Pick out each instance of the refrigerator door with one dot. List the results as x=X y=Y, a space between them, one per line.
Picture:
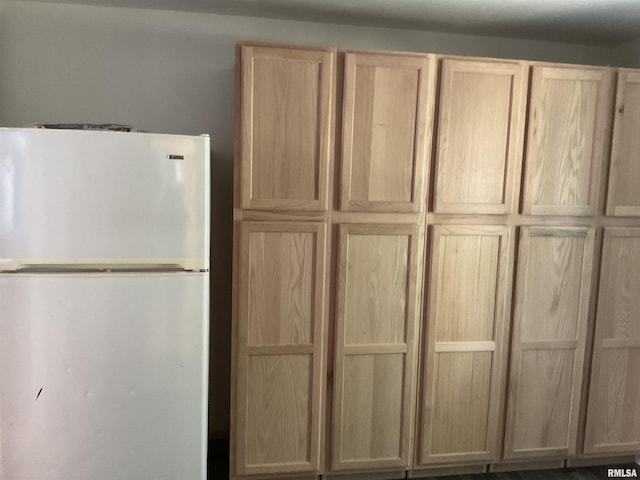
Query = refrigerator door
x=103 y=377
x=97 y=197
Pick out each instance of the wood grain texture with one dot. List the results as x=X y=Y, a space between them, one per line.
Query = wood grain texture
x=280 y=288
x=278 y=410
x=377 y=313
x=461 y=396
x=280 y=336
x=287 y=104
x=548 y=341
x=613 y=415
x=387 y=119
x=566 y=142
x=624 y=177
x=464 y=363
x=479 y=135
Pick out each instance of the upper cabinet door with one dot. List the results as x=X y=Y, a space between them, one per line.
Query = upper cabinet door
x=613 y=416
x=480 y=133
x=387 y=119
x=566 y=142
x=624 y=195
x=287 y=99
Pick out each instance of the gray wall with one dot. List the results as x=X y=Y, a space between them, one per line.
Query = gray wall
x=173 y=72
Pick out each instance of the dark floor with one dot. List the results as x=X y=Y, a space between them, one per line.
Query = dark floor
x=591 y=473
x=218 y=459
x=219 y=469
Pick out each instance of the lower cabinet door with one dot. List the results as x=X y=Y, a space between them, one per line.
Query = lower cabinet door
x=280 y=347
x=548 y=341
x=464 y=360
x=379 y=278
x=613 y=414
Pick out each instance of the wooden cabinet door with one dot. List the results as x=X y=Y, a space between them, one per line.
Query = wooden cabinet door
x=480 y=132
x=548 y=341
x=386 y=131
x=464 y=362
x=378 y=309
x=280 y=329
x=566 y=142
x=287 y=98
x=613 y=415
x=624 y=178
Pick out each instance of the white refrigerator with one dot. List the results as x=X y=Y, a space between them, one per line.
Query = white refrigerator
x=104 y=305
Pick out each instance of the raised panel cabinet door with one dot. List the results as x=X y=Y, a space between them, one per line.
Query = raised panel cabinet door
x=279 y=359
x=464 y=362
x=548 y=341
x=624 y=176
x=386 y=131
x=480 y=131
x=286 y=111
x=613 y=412
x=377 y=314
x=569 y=117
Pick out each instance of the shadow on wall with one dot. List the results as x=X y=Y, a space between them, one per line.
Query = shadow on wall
x=221 y=281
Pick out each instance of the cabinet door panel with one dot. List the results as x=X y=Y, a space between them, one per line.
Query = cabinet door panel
x=387 y=114
x=566 y=146
x=281 y=317
x=286 y=110
x=461 y=403
x=624 y=195
x=613 y=415
x=480 y=132
x=464 y=361
x=379 y=274
x=548 y=341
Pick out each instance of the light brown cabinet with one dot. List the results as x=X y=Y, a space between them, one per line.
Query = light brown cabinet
x=567 y=139
x=624 y=179
x=464 y=360
x=286 y=127
x=280 y=336
x=386 y=137
x=613 y=415
x=548 y=341
x=386 y=111
x=378 y=308
x=479 y=135
x=375 y=295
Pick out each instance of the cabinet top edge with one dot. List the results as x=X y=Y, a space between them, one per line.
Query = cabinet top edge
x=434 y=55
x=285 y=46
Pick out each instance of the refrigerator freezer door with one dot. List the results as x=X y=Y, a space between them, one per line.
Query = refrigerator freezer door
x=103 y=377
x=98 y=197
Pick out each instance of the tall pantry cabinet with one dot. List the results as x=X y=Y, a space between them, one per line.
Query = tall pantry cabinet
x=282 y=238
x=386 y=125
x=481 y=109
x=424 y=263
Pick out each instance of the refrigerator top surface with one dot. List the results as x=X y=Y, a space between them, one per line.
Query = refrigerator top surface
x=102 y=197
x=100 y=132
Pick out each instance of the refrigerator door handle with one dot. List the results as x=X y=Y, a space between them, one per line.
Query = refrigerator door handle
x=95 y=268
